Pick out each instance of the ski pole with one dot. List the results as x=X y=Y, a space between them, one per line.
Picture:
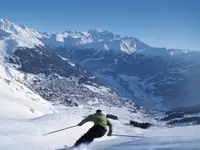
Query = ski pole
x=60 y=130
x=128 y=135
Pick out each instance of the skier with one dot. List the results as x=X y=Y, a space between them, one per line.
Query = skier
x=98 y=130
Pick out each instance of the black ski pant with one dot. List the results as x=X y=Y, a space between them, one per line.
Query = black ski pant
x=95 y=132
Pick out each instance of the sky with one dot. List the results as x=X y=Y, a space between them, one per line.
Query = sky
x=160 y=23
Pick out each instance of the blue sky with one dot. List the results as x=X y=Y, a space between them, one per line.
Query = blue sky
x=161 y=23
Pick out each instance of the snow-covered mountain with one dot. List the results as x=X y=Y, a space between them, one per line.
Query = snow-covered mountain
x=22 y=36
x=96 y=39
x=48 y=74
x=13 y=36
x=25 y=117
x=31 y=72
x=156 y=81
x=156 y=77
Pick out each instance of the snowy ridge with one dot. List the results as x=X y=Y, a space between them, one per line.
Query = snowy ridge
x=95 y=49
x=22 y=36
x=96 y=39
x=13 y=36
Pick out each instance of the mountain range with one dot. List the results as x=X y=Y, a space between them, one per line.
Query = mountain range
x=126 y=67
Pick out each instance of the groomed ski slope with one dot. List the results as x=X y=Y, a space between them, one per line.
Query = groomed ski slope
x=25 y=117
x=26 y=132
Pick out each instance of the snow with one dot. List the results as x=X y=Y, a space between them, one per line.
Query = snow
x=100 y=89
x=25 y=116
x=24 y=119
x=25 y=130
x=15 y=95
x=72 y=64
x=128 y=45
x=19 y=35
x=149 y=101
x=22 y=36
